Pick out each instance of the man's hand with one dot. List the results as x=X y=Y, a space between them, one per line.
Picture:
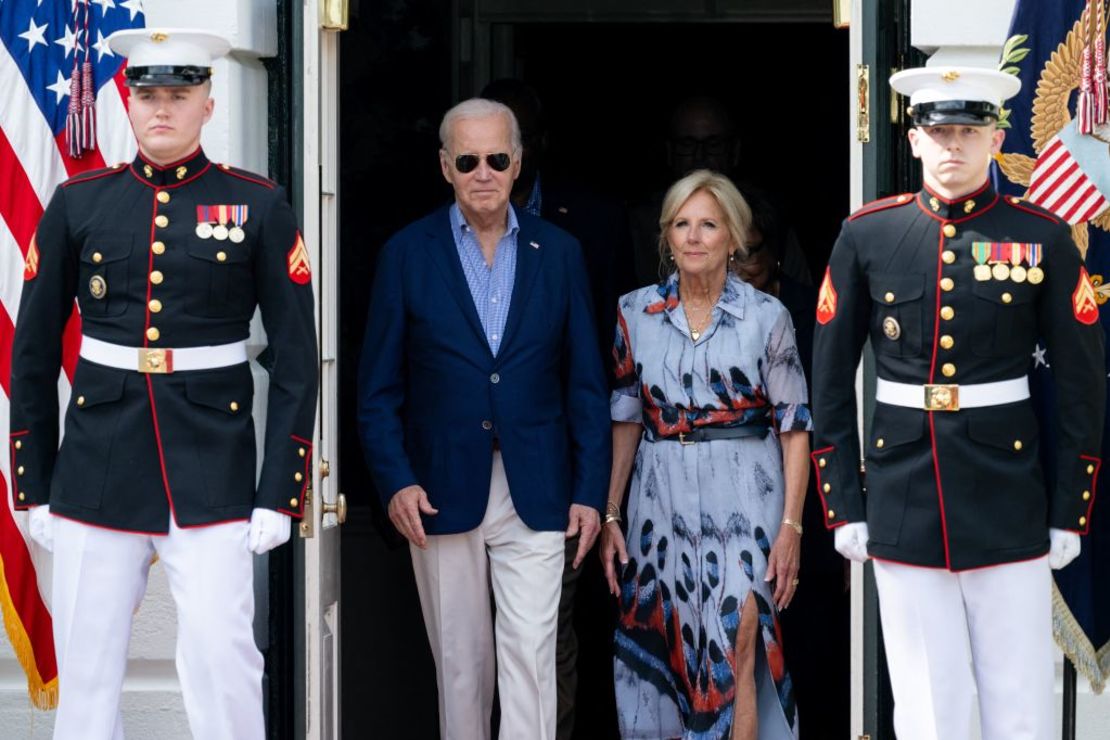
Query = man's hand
x=850 y=540
x=268 y=529
x=405 y=509
x=586 y=523
x=41 y=526
x=1063 y=548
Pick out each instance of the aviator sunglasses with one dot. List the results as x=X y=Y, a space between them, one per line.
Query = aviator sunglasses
x=465 y=163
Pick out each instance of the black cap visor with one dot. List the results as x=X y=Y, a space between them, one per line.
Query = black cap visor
x=166 y=76
x=960 y=112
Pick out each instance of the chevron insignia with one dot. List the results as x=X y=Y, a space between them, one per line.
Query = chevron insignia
x=1084 y=302
x=31 y=264
x=826 y=299
x=299 y=270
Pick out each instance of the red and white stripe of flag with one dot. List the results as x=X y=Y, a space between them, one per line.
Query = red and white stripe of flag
x=1060 y=185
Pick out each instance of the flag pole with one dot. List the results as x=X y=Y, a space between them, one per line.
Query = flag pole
x=1069 y=701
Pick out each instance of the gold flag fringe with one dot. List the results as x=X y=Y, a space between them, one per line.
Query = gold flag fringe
x=1077 y=647
x=43 y=695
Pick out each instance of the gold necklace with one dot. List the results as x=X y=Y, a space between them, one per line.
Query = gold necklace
x=697 y=328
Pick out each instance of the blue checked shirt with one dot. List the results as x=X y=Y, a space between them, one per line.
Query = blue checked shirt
x=490 y=287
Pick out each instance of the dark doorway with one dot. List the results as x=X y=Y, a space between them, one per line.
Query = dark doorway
x=608 y=90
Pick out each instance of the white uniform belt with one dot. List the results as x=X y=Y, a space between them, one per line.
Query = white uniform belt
x=159 y=360
x=952 y=397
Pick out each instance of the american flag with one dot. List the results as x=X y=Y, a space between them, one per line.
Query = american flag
x=1071 y=177
x=41 y=41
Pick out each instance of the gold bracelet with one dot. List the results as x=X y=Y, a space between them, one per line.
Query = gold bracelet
x=796 y=526
x=610 y=518
x=612 y=512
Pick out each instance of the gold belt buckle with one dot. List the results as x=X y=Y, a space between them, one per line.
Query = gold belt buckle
x=155 y=361
x=682 y=439
x=942 y=397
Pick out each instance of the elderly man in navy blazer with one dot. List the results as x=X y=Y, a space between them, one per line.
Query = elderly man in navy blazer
x=483 y=413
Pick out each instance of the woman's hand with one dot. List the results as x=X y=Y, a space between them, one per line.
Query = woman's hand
x=612 y=548
x=783 y=564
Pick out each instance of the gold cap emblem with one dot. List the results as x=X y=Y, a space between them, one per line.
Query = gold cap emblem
x=950 y=76
x=158 y=37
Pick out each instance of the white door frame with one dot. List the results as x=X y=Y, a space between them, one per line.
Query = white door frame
x=320 y=528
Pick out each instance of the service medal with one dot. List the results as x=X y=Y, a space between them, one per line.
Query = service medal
x=97 y=287
x=981 y=252
x=1000 y=271
x=1036 y=275
x=219 y=231
x=204 y=230
x=982 y=272
x=1018 y=274
x=236 y=234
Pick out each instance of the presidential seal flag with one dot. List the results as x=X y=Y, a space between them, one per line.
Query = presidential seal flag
x=63 y=113
x=1057 y=155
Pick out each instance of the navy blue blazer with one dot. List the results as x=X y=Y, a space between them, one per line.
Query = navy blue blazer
x=433 y=398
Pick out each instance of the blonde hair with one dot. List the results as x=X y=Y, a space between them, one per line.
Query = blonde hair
x=737 y=212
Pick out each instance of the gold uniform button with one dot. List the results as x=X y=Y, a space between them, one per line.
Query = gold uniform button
x=1018 y=445
x=301 y=451
x=1090 y=468
x=947 y=313
x=1007 y=298
x=298 y=477
x=949 y=230
x=821 y=463
x=234 y=405
x=1082 y=521
x=947 y=284
x=163 y=196
x=97 y=257
x=832 y=514
x=947 y=342
x=152 y=333
x=22 y=497
x=19 y=470
x=161 y=221
x=19 y=444
x=155 y=305
x=158 y=248
x=880 y=442
x=948 y=369
x=1086 y=494
x=826 y=488
x=156 y=277
x=948 y=256
x=80 y=400
x=294 y=503
x=889 y=297
x=221 y=256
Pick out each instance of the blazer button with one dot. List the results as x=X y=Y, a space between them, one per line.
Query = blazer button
x=826 y=488
x=832 y=514
x=949 y=230
x=1090 y=468
x=298 y=477
x=22 y=496
x=1082 y=521
x=495 y=378
x=821 y=463
x=19 y=445
x=1086 y=494
x=487 y=425
x=294 y=503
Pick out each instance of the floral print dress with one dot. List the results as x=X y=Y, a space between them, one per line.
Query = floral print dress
x=701 y=517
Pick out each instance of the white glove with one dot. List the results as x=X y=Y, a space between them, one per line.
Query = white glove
x=41 y=526
x=269 y=529
x=850 y=540
x=1063 y=548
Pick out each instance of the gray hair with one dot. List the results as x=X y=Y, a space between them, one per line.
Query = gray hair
x=479 y=108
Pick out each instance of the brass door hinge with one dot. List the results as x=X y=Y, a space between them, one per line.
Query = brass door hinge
x=863 y=103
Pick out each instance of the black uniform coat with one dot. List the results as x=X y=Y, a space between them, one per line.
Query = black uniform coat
x=955 y=489
x=138 y=447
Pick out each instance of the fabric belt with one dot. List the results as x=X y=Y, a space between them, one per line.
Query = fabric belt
x=158 y=360
x=952 y=397
x=708 y=434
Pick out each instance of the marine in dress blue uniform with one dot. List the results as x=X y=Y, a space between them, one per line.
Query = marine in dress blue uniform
x=954 y=289
x=168 y=261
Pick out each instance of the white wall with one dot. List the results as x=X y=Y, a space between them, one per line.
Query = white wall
x=238 y=134
x=972 y=32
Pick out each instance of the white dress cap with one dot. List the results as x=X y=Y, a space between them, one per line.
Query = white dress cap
x=969 y=95
x=168 y=56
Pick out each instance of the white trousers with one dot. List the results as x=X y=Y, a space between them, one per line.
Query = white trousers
x=99 y=580
x=454 y=576
x=931 y=616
